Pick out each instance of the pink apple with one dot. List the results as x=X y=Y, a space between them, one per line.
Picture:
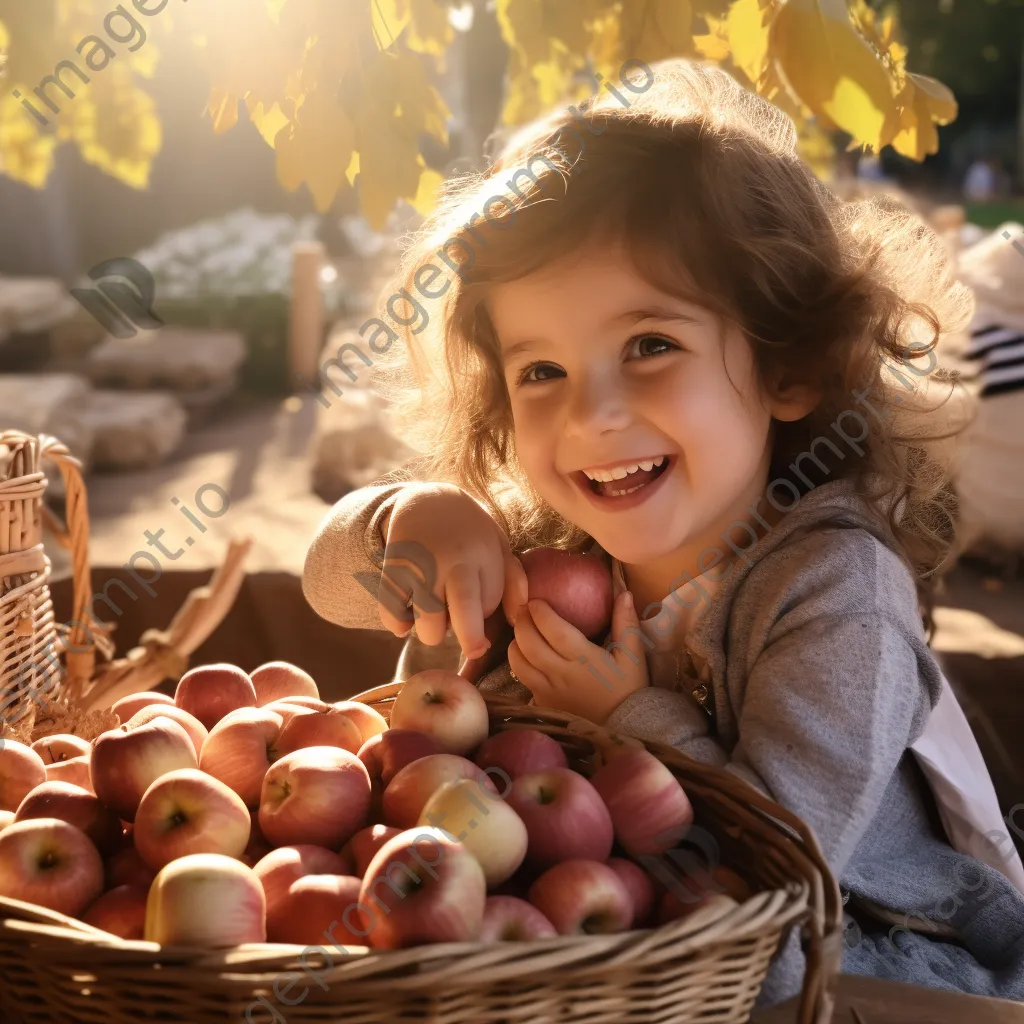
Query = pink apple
x=75 y=770
x=483 y=823
x=77 y=807
x=121 y=911
x=21 y=770
x=287 y=864
x=363 y=846
x=444 y=705
x=257 y=848
x=309 y=728
x=127 y=761
x=507 y=919
x=368 y=721
x=578 y=587
x=639 y=886
x=239 y=750
x=6 y=817
x=520 y=752
x=386 y=754
x=210 y=691
x=564 y=817
x=433 y=891
x=583 y=897
x=134 y=702
x=314 y=703
x=206 y=900
x=51 y=863
x=278 y=679
x=315 y=904
x=317 y=795
x=197 y=732
x=61 y=747
x=128 y=868
x=649 y=809
x=409 y=791
x=187 y=811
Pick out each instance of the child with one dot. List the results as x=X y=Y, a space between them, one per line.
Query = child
x=663 y=341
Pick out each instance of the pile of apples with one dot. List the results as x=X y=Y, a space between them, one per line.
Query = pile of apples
x=246 y=810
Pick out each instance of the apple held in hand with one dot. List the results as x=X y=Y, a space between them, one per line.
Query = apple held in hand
x=508 y=919
x=206 y=900
x=197 y=732
x=386 y=754
x=328 y=728
x=583 y=897
x=77 y=807
x=445 y=706
x=210 y=691
x=21 y=770
x=319 y=905
x=287 y=864
x=578 y=587
x=61 y=747
x=51 y=863
x=278 y=679
x=126 y=707
x=639 y=886
x=6 y=817
x=520 y=752
x=75 y=770
x=422 y=887
x=565 y=817
x=240 y=749
x=121 y=911
x=363 y=846
x=408 y=792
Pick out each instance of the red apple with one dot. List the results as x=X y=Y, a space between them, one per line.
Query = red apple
x=61 y=747
x=520 y=752
x=363 y=846
x=368 y=721
x=21 y=770
x=127 y=761
x=128 y=868
x=578 y=587
x=317 y=795
x=649 y=809
x=314 y=703
x=434 y=891
x=51 y=863
x=75 y=770
x=210 y=691
x=639 y=886
x=196 y=730
x=672 y=908
x=239 y=750
x=409 y=791
x=278 y=679
x=309 y=728
x=565 y=817
x=121 y=911
x=257 y=848
x=126 y=707
x=206 y=900
x=77 y=807
x=315 y=904
x=187 y=811
x=279 y=868
x=583 y=897
x=386 y=754
x=445 y=706
x=507 y=919
x=6 y=817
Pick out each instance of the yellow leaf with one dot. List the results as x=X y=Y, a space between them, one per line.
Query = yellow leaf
x=25 y=154
x=223 y=109
x=749 y=34
x=674 y=19
x=268 y=122
x=430 y=31
x=917 y=137
x=428 y=191
x=353 y=169
x=939 y=98
x=522 y=27
x=389 y=168
x=389 y=20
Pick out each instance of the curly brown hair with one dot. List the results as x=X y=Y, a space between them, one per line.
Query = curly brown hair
x=700 y=179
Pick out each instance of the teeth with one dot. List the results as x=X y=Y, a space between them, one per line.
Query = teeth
x=620 y=472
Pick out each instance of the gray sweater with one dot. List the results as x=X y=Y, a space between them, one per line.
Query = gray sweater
x=821 y=678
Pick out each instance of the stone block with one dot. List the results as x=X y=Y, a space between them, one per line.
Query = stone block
x=134 y=429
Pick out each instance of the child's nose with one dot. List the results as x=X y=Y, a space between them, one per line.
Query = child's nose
x=597 y=404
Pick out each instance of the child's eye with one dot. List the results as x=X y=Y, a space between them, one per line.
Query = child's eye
x=524 y=378
x=659 y=344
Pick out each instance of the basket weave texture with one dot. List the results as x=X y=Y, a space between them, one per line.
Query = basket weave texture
x=704 y=969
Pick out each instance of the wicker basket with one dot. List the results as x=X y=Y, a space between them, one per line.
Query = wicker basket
x=707 y=968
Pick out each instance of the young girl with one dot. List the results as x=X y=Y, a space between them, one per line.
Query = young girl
x=650 y=333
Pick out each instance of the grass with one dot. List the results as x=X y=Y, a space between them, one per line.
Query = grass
x=991 y=215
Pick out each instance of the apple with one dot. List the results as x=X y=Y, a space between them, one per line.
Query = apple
x=239 y=750
x=134 y=702
x=187 y=811
x=649 y=809
x=483 y=823
x=120 y=911
x=639 y=886
x=564 y=815
x=386 y=754
x=299 y=702
x=21 y=770
x=278 y=679
x=317 y=795
x=128 y=868
x=368 y=721
x=434 y=891
x=577 y=587
x=507 y=919
x=78 y=807
x=671 y=908
x=197 y=732
x=210 y=691
x=445 y=706
x=521 y=752
x=257 y=848
x=206 y=900
x=583 y=897
x=363 y=846
x=51 y=863
x=75 y=770
x=126 y=761
x=315 y=904
x=310 y=728
x=61 y=747
x=279 y=868
x=6 y=817
x=408 y=792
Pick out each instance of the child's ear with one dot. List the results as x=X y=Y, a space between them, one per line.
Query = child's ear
x=792 y=400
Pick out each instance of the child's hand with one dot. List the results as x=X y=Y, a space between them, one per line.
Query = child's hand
x=558 y=663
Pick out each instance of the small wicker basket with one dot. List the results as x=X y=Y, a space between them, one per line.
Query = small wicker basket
x=705 y=969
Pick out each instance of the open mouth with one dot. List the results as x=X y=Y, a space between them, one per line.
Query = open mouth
x=627 y=479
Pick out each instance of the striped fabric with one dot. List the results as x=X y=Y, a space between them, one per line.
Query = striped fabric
x=1001 y=352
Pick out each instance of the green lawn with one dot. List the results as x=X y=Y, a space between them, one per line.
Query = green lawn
x=991 y=215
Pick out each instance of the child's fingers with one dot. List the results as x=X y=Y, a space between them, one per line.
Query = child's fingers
x=626 y=625
x=516 y=592
x=534 y=680
x=561 y=636
x=462 y=594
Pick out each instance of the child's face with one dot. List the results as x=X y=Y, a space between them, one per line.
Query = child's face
x=598 y=387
